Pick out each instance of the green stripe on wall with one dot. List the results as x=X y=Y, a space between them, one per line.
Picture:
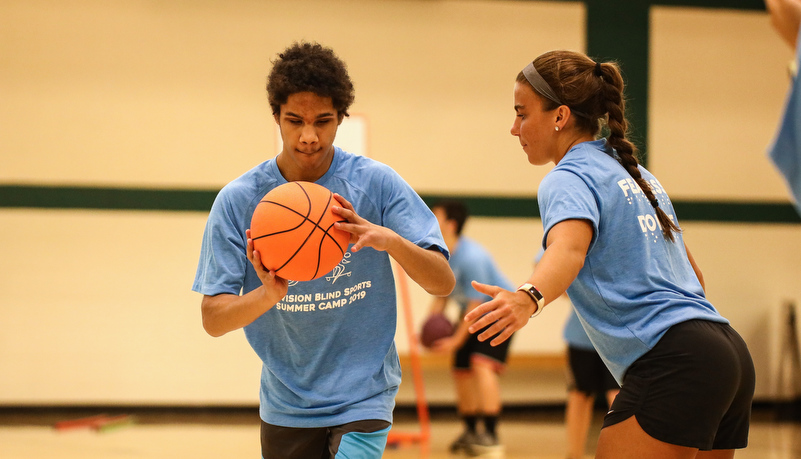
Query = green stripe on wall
x=736 y=212
x=186 y=200
x=698 y=211
x=79 y=197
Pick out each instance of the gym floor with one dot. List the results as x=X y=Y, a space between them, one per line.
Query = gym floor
x=160 y=433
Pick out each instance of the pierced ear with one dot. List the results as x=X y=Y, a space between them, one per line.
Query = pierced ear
x=562 y=115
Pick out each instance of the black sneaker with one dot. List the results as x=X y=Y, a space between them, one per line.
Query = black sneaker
x=464 y=442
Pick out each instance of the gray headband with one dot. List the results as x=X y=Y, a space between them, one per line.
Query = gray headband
x=544 y=89
x=540 y=85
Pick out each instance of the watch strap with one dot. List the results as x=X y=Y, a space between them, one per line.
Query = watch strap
x=535 y=295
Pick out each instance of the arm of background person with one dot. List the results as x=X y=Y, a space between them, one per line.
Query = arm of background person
x=697 y=270
x=785 y=16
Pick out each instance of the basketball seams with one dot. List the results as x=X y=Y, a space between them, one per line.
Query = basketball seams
x=315 y=225
x=326 y=234
x=298 y=255
x=306 y=219
x=288 y=230
x=333 y=239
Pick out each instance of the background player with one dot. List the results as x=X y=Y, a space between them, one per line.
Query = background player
x=786 y=149
x=476 y=365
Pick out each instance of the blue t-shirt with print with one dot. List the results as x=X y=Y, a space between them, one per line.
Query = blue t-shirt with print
x=634 y=284
x=327 y=347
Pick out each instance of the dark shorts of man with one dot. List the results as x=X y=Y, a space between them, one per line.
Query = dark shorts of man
x=365 y=439
x=587 y=373
x=694 y=388
x=473 y=349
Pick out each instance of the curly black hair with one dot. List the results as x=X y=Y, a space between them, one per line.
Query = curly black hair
x=310 y=67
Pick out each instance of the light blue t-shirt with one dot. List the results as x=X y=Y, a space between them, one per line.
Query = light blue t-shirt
x=634 y=284
x=469 y=262
x=785 y=152
x=327 y=347
x=573 y=332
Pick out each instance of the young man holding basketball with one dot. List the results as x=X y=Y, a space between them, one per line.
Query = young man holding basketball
x=329 y=375
x=476 y=365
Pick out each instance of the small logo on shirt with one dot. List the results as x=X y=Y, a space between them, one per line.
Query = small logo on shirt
x=339 y=270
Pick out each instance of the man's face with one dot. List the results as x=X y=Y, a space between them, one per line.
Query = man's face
x=308 y=124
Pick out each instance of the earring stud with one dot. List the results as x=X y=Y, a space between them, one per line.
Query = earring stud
x=556 y=128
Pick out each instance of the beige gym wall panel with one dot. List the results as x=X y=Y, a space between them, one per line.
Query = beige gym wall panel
x=171 y=93
x=718 y=83
x=97 y=308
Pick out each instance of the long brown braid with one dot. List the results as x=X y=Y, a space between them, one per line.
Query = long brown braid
x=594 y=91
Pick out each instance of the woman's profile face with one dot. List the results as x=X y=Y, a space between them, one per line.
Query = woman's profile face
x=533 y=126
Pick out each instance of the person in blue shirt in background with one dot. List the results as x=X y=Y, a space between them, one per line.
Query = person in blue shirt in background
x=476 y=365
x=785 y=152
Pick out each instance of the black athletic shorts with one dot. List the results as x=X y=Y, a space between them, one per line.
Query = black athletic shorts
x=587 y=373
x=364 y=439
x=694 y=388
x=475 y=349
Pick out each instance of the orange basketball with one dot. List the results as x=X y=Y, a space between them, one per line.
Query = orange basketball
x=293 y=230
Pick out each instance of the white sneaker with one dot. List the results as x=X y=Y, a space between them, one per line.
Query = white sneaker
x=486 y=446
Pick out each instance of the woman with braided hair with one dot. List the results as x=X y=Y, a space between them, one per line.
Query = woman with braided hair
x=612 y=241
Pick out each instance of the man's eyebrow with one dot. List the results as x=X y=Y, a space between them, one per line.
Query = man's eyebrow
x=321 y=115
